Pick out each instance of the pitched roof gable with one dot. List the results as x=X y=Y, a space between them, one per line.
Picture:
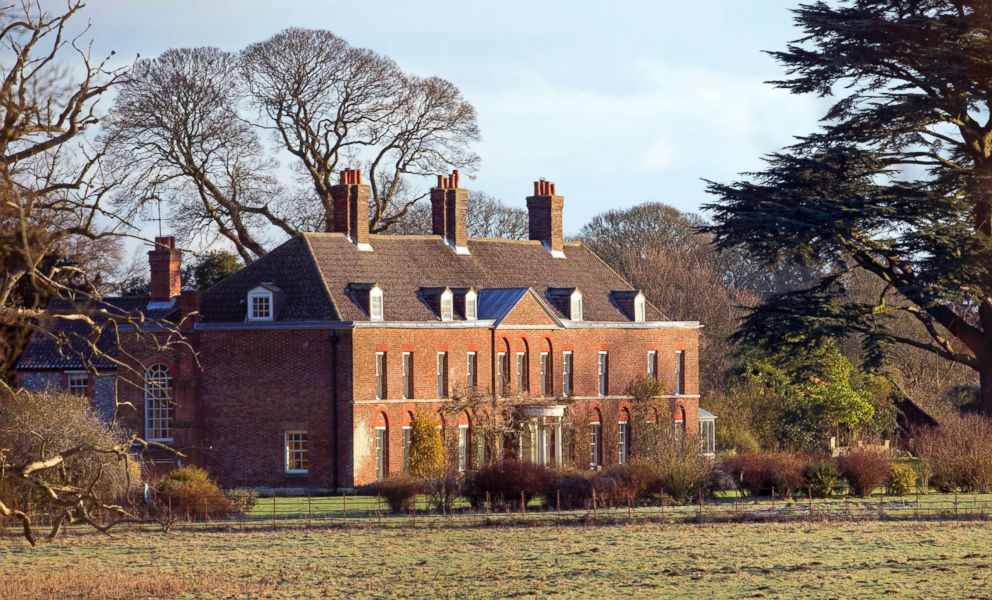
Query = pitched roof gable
x=315 y=269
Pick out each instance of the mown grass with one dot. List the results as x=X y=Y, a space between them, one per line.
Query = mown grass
x=813 y=560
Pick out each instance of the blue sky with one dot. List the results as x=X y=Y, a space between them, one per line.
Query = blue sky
x=618 y=102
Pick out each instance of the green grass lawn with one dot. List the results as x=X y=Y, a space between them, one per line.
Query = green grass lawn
x=809 y=560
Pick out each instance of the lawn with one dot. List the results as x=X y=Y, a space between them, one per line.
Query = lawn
x=863 y=559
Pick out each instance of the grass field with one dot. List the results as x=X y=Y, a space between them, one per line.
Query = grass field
x=810 y=560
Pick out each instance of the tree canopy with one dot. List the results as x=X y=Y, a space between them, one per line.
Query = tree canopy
x=896 y=183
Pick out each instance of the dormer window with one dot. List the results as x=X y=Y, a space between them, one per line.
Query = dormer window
x=375 y=304
x=447 y=305
x=575 y=306
x=639 y=308
x=260 y=304
x=471 y=305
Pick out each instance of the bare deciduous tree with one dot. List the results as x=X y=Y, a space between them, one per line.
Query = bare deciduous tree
x=487 y=217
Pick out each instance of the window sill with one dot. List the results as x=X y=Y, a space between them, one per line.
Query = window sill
x=296 y=473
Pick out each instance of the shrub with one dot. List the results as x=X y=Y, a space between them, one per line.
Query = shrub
x=739 y=440
x=572 y=488
x=427 y=456
x=764 y=473
x=623 y=484
x=242 y=499
x=398 y=492
x=822 y=477
x=957 y=455
x=685 y=476
x=902 y=480
x=505 y=481
x=864 y=471
x=443 y=489
x=190 y=492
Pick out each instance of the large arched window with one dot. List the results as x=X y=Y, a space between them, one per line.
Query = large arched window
x=595 y=439
x=382 y=447
x=159 y=406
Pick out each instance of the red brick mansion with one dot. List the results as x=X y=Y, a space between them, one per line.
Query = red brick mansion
x=310 y=362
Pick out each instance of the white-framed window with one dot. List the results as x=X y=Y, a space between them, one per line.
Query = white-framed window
x=380 y=375
x=442 y=374
x=502 y=377
x=679 y=424
x=376 y=310
x=522 y=375
x=463 y=447
x=472 y=370
x=381 y=448
x=546 y=386
x=77 y=383
x=679 y=372
x=159 y=406
x=575 y=306
x=595 y=444
x=566 y=373
x=408 y=375
x=652 y=364
x=603 y=373
x=471 y=305
x=260 y=305
x=407 y=436
x=447 y=305
x=623 y=442
x=297 y=450
x=639 y=308
x=707 y=436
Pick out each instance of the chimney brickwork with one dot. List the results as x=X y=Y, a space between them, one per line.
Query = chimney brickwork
x=351 y=207
x=544 y=210
x=165 y=263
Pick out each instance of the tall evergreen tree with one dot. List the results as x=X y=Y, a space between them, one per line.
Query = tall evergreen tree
x=897 y=181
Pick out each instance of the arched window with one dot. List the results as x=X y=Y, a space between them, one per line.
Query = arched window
x=159 y=406
x=623 y=429
x=376 y=310
x=447 y=305
x=381 y=447
x=407 y=436
x=464 y=442
x=547 y=370
x=595 y=439
x=471 y=305
x=639 y=308
x=680 y=424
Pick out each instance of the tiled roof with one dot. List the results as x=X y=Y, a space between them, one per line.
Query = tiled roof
x=314 y=271
x=71 y=349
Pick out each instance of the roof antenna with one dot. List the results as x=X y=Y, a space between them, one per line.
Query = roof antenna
x=159 y=201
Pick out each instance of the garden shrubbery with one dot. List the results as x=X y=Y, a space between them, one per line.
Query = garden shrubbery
x=191 y=493
x=902 y=480
x=957 y=455
x=864 y=471
x=822 y=477
x=400 y=493
x=505 y=482
x=761 y=474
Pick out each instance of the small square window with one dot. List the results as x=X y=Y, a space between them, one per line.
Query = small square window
x=77 y=383
x=260 y=306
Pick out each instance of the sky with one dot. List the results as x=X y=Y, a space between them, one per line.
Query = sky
x=618 y=102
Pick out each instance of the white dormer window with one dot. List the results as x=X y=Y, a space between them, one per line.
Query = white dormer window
x=260 y=305
x=471 y=305
x=375 y=304
x=447 y=305
x=639 y=308
x=575 y=306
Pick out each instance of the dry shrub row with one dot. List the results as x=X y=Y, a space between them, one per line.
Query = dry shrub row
x=787 y=473
x=957 y=455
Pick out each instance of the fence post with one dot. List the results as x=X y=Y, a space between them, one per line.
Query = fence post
x=917 y=502
x=488 y=504
x=378 y=509
x=955 y=503
x=523 y=503
x=594 y=503
x=309 y=512
x=206 y=515
x=699 y=513
x=558 y=504
x=273 y=509
x=344 y=508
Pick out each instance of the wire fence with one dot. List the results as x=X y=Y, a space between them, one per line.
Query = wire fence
x=370 y=512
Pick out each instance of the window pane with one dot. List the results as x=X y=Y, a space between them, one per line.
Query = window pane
x=407 y=375
x=297 y=460
x=472 y=376
x=380 y=375
x=159 y=405
x=566 y=372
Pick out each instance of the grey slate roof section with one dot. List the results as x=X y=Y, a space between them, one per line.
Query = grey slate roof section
x=72 y=349
x=314 y=271
x=496 y=303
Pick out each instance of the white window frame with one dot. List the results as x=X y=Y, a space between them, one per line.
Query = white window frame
x=377 y=309
x=707 y=436
x=472 y=370
x=471 y=305
x=603 y=373
x=260 y=295
x=679 y=372
x=380 y=375
x=408 y=390
x=447 y=305
x=463 y=447
x=442 y=374
x=159 y=419
x=652 y=370
x=407 y=437
x=566 y=373
x=296 y=453
x=575 y=306
x=523 y=383
x=595 y=444
x=546 y=375
x=623 y=430
x=381 y=448
x=640 y=308
x=72 y=381
x=502 y=377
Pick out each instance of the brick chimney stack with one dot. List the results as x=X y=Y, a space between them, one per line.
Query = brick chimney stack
x=544 y=212
x=449 y=211
x=351 y=208
x=165 y=262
